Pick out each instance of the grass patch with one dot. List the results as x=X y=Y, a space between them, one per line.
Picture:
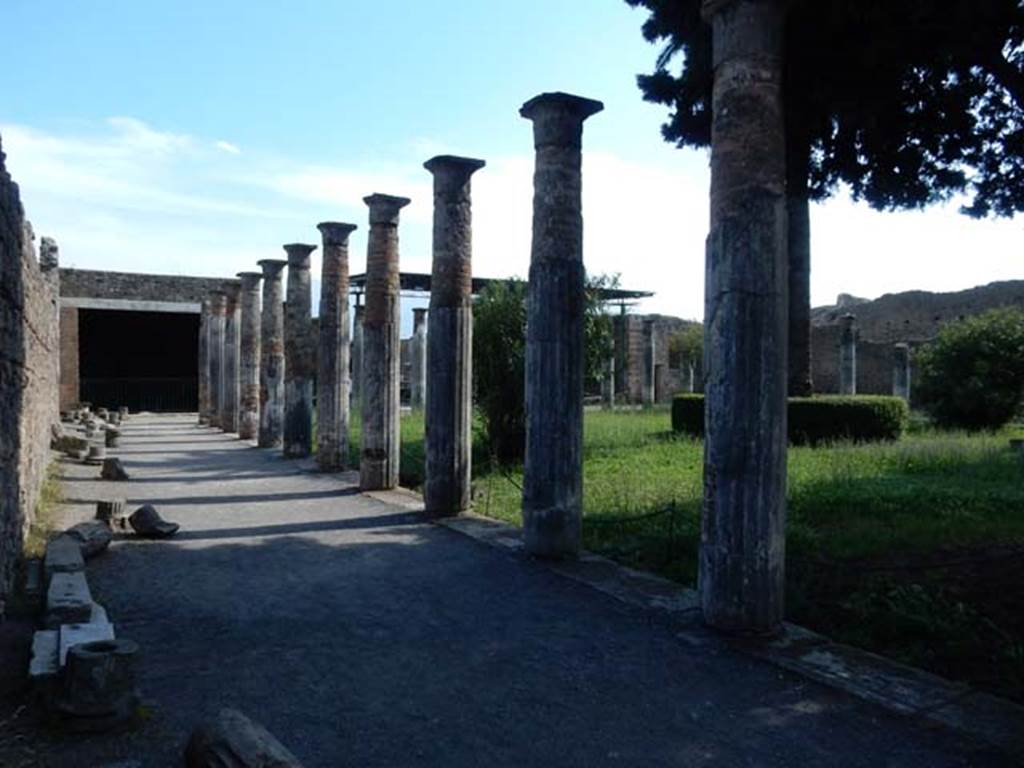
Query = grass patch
x=51 y=496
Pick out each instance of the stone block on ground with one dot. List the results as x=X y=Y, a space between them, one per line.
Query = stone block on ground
x=63 y=555
x=32 y=584
x=68 y=600
x=93 y=537
x=89 y=632
x=98 y=686
x=70 y=444
x=113 y=469
x=44 y=662
x=146 y=521
x=232 y=740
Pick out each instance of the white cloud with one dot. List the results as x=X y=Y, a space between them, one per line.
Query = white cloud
x=228 y=147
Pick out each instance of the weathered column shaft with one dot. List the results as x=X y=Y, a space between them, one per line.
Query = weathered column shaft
x=380 y=440
x=332 y=406
x=418 y=358
x=249 y=357
x=204 y=362
x=357 y=354
x=229 y=387
x=901 y=371
x=650 y=362
x=272 y=355
x=553 y=469
x=608 y=382
x=449 y=364
x=218 y=305
x=742 y=553
x=300 y=356
x=847 y=355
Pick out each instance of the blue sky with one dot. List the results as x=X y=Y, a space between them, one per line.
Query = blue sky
x=196 y=137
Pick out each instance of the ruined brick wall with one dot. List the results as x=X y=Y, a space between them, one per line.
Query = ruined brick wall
x=628 y=335
x=28 y=372
x=69 y=379
x=132 y=286
x=874 y=362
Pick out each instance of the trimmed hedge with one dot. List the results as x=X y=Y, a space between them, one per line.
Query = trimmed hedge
x=820 y=419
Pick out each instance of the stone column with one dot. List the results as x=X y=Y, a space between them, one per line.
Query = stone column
x=218 y=305
x=847 y=355
x=229 y=385
x=332 y=407
x=299 y=355
x=608 y=383
x=272 y=355
x=449 y=396
x=418 y=358
x=204 y=362
x=249 y=357
x=553 y=469
x=650 y=361
x=742 y=552
x=382 y=363
x=357 y=355
x=901 y=371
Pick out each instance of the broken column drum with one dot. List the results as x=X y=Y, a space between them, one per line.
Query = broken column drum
x=650 y=362
x=272 y=355
x=380 y=443
x=742 y=550
x=218 y=305
x=229 y=384
x=357 y=354
x=418 y=358
x=847 y=355
x=300 y=356
x=204 y=362
x=332 y=402
x=901 y=371
x=449 y=395
x=249 y=357
x=553 y=468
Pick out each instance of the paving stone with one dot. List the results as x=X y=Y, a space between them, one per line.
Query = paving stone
x=63 y=555
x=68 y=600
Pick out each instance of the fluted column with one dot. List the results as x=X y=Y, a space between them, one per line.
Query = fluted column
x=380 y=442
x=357 y=355
x=299 y=354
x=650 y=362
x=204 y=362
x=848 y=355
x=553 y=470
x=449 y=364
x=229 y=386
x=901 y=371
x=272 y=355
x=218 y=305
x=249 y=357
x=332 y=406
x=742 y=552
x=418 y=358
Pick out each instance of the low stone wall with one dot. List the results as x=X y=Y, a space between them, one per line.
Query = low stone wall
x=28 y=371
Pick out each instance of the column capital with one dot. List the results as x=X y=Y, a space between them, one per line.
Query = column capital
x=298 y=254
x=558 y=118
x=218 y=301
x=336 y=232
x=250 y=280
x=272 y=267
x=419 y=316
x=453 y=168
x=384 y=208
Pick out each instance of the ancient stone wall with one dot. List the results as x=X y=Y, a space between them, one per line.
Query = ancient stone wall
x=628 y=336
x=131 y=286
x=28 y=372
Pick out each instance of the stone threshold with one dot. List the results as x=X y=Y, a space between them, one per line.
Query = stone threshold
x=898 y=688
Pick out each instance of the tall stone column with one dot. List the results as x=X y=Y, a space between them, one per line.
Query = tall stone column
x=249 y=357
x=553 y=470
x=901 y=371
x=380 y=449
x=742 y=552
x=332 y=406
x=449 y=364
x=650 y=361
x=204 y=362
x=418 y=355
x=357 y=354
x=608 y=383
x=229 y=385
x=272 y=355
x=299 y=354
x=218 y=305
x=848 y=355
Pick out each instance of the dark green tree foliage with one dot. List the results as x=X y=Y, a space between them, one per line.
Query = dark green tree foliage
x=972 y=375
x=499 y=358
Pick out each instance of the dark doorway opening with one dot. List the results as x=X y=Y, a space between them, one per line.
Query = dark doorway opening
x=146 y=361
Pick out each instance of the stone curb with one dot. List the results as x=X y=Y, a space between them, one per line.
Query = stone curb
x=895 y=687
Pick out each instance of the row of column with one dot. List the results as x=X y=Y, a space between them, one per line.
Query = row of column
x=848 y=361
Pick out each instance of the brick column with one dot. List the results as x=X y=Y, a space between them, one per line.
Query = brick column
x=742 y=552
x=449 y=363
x=553 y=470
x=332 y=406
x=357 y=355
x=229 y=384
x=249 y=357
x=380 y=443
x=650 y=361
x=418 y=358
x=608 y=382
x=848 y=355
x=204 y=362
x=901 y=371
x=218 y=305
x=272 y=355
x=299 y=354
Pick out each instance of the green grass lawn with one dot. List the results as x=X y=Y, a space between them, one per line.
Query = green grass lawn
x=914 y=549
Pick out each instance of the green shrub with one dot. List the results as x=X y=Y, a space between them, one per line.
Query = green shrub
x=820 y=419
x=972 y=375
